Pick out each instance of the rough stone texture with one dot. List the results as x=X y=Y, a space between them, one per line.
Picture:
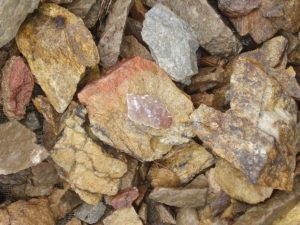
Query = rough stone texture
x=106 y=101
x=123 y=199
x=212 y=34
x=89 y=170
x=90 y=213
x=16 y=84
x=74 y=221
x=162 y=177
x=236 y=184
x=34 y=211
x=134 y=27
x=219 y=203
x=18 y=150
x=80 y=7
x=189 y=197
x=291 y=218
x=12 y=15
x=58 y=47
x=125 y=216
x=187 y=216
x=174 y=44
x=269 y=18
x=235 y=8
x=266 y=213
x=132 y=47
x=111 y=37
x=187 y=160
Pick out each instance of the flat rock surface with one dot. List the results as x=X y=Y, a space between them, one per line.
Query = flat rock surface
x=125 y=216
x=111 y=119
x=57 y=56
x=90 y=213
x=131 y=47
x=12 y=15
x=175 y=44
x=18 y=150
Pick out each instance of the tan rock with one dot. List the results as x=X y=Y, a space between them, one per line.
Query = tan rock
x=137 y=108
x=58 y=57
x=18 y=150
x=187 y=160
x=132 y=47
x=87 y=168
x=187 y=216
x=237 y=186
x=163 y=177
x=125 y=216
x=4 y=217
x=74 y=221
x=236 y=8
x=291 y=218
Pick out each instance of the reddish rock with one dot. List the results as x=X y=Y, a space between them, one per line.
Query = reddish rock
x=17 y=85
x=123 y=199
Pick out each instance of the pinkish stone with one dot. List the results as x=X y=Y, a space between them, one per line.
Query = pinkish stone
x=123 y=199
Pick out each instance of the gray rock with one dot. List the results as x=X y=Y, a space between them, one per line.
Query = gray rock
x=12 y=14
x=212 y=33
x=174 y=44
x=90 y=213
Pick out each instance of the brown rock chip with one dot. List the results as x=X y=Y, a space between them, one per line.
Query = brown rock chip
x=58 y=57
x=124 y=199
x=132 y=47
x=16 y=84
x=125 y=216
x=108 y=102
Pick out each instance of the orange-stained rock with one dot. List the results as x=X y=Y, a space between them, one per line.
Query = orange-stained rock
x=146 y=133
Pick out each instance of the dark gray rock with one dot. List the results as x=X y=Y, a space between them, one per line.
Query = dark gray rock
x=90 y=213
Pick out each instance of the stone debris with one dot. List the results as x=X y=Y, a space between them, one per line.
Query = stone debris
x=187 y=216
x=34 y=211
x=175 y=44
x=124 y=199
x=90 y=213
x=12 y=15
x=58 y=57
x=187 y=160
x=74 y=221
x=212 y=33
x=112 y=35
x=108 y=109
x=236 y=8
x=124 y=216
x=138 y=10
x=16 y=84
x=131 y=47
x=163 y=177
x=291 y=218
x=180 y=197
x=18 y=148
x=32 y=121
x=219 y=203
x=159 y=214
x=90 y=171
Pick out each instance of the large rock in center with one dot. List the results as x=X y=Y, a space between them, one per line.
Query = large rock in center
x=58 y=47
x=138 y=109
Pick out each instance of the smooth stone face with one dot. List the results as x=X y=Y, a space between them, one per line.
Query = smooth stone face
x=125 y=216
x=175 y=44
x=131 y=47
x=58 y=57
x=187 y=216
x=90 y=213
x=18 y=150
x=106 y=100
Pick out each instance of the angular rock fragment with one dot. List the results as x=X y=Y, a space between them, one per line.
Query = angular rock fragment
x=89 y=170
x=237 y=186
x=134 y=27
x=164 y=215
x=175 y=44
x=132 y=47
x=12 y=15
x=219 y=203
x=212 y=33
x=58 y=57
x=90 y=213
x=16 y=84
x=291 y=218
x=187 y=160
x=34 y=211
x=32 y=121
x=236 y=8
x=18 y=150
x=74 y=221
x=189 y=197
x=123 y=199
x=111 y=37
x=162 y=177
x=80 y=7
x=187 y=216
x=110 y=114
x=131 y=177
x=125 y=216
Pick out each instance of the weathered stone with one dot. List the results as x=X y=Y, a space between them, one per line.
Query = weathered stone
x=200 y=181
x=74 y=221
x=123 y=199
x=189 y=197
x=12 y=15
x=34 y=211
x=131 y=177
x=111 y=38
x=58 y=57
x=80 y=7
x=138 y=10
x=125 y=216
x=18 y=150
x=212 y=33
x=132 y=47
x=219 y=203
x=235 y=8
x=134 y=27
x=87 y=168
x=163 y=177
x=16 y=84
x=186 y=216
x=106 y=101
x=164 y=214
x=187 y=160
x=266 y=213
x=237 y=186
x=90 y=213
x=291 y=218
x=32 y=121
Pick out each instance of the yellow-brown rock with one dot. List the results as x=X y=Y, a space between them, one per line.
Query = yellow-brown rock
x=125 y=216
x=58 y=48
